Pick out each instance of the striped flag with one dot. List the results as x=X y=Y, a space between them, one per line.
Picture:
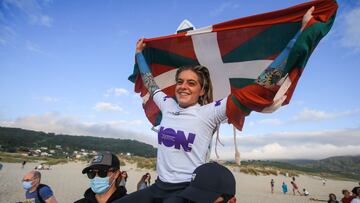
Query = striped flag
x=236 y=53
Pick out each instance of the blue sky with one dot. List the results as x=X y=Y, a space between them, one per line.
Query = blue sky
x=64 y=68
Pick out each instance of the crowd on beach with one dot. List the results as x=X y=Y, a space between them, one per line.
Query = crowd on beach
x=353 y=197
x=108 y=183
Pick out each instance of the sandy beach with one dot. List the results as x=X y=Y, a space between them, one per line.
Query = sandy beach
x=69 y=184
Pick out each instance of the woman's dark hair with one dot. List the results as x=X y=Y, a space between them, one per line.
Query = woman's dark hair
x=204 y=79
x=118 y=178
x=332 y=195
x=126 y=175
x=142 y=180
x=148 y=175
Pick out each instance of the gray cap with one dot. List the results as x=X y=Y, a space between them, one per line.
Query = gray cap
x=103 y=160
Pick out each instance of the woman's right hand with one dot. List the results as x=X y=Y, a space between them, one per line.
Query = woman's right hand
x=140 y=45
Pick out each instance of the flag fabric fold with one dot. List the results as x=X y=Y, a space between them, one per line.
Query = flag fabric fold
x=238 y=54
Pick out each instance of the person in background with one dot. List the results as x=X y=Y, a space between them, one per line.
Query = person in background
x=295 y=187
x=284 y=188
x=272 y=183
x=23 y=164
x=357 y=197
x=123 y=180
x=35 y=191
x=347 y=197
x=354 y=190
x=143 y=183
x=332 y=198
x=148 y=180
x=104 y=174
x=306 y=193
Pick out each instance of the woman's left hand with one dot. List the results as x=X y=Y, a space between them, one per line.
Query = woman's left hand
x=307 y=17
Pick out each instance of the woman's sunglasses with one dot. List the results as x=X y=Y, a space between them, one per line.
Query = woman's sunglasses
x=102 y=173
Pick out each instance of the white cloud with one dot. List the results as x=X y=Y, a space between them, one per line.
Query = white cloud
x=32 y=9
x=281 y=145
x=125 y=122
x=310 y=114
x=293 y=145
x=272 y=121
x=2 y=42
x=61 y=124
x=41 y=20
x=317 y=115
x=116 y=92
x=105 y=106
x=223 y=7
x=48 y=99
x=312 y=151
x=6 y=34
x=34 y=48
x=351 y=30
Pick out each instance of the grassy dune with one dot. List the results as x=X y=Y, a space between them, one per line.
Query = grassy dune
x=19 y=158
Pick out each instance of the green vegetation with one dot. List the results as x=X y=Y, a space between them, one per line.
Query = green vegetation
x=19 y=140
x=345 y=168
x=141 y=162
x=19 y=158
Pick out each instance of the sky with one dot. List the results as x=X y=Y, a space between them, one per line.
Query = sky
x=64 y=68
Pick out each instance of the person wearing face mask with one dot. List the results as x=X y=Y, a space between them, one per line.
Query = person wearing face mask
x=104 y=174
x=35 y=191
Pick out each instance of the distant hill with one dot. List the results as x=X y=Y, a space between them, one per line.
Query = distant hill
x=12 y=139
x=338 y=164
x=347 y=167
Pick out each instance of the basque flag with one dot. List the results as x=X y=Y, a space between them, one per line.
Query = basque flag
x=236 y=53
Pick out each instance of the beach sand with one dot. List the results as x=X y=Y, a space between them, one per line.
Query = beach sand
x=69 y=184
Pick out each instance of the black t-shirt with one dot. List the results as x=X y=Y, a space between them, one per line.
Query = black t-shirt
x=89 y=196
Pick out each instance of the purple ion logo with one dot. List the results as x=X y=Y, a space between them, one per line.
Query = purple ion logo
x=177 y=139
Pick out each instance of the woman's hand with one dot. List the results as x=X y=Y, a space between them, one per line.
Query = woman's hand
x=307 y=17
x=140 y=45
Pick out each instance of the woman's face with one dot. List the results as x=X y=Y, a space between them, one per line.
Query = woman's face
x=332 y=197
x=188 y=89
x=124 y=174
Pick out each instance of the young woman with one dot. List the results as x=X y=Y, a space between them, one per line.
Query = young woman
x=187 y=125
x=123 y=180
x=148 y=180
x=143 y=182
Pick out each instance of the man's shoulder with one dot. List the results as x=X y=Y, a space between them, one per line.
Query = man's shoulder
x=45 y=191
x=43 y=188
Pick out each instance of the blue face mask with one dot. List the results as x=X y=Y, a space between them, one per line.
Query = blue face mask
x=100 y=185
x=27 y=185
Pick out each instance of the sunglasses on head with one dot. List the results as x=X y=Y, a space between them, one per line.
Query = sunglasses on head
x=102 y=173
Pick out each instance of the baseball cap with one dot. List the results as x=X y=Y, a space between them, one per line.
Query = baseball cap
x=103 y=160
x=209 y=181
